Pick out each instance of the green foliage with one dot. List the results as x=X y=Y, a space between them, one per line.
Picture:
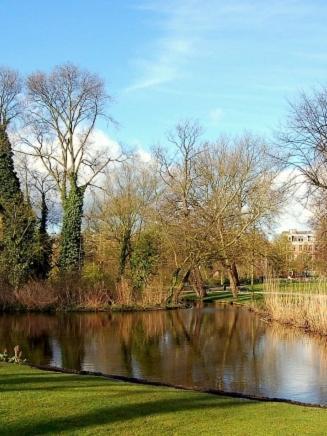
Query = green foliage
x=44 y=252
x=144 y=258
x=71 y=246
x=18 y=243
x=9 y=186
x=18 y=220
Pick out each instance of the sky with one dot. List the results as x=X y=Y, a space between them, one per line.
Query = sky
x=233 y=65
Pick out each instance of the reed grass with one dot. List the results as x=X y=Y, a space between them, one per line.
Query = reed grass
x=301 y=304
x=73 y=293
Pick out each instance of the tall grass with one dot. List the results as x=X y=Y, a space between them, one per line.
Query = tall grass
x=300 y=304
x=74 y=293
x=153 y=294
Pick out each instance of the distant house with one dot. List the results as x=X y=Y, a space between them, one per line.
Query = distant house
x=303 y=242
x=302 y=252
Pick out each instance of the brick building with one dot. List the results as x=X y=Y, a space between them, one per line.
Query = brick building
x=302 y=241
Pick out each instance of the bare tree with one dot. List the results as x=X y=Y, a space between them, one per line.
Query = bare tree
x=303 y=139
x=10 y=89
x=63 y=107
x=177 y=168
x=62 y=111
x=237 y=189
x=123 y=207
x=178 y=173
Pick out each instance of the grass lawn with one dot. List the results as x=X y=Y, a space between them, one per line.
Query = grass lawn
x=255 y=293
x=34 y=402
x=227 y=297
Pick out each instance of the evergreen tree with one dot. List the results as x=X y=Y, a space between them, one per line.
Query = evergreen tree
x=18 y=220
x=44 y=243
x=10 y=186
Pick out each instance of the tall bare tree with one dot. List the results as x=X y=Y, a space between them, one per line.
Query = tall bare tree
x=63 y=108
x=237 y=189
x=10 y=89
x=303 y=138
x=178 y=173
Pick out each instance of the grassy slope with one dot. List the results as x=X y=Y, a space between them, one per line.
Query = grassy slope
x=36 y=402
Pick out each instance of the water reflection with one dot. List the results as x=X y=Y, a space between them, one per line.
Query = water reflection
x=208 y=346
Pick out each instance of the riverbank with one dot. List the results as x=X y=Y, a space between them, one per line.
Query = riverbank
x=78 y=296
x=299 y=305
x=106 y=309
x=72 y=404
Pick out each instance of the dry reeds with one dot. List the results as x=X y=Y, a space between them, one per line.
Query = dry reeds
x=301 y=304
x=74 y=293
x=153 y=294
x=36 y=295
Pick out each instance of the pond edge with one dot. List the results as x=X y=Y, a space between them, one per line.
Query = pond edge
x=142 y=381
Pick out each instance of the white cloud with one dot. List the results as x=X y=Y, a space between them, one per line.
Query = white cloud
x=102 y=141
x=143 y=155
x=296 y=213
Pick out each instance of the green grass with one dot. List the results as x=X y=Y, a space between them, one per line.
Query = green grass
x=227 y=297
x=252 y=294
x=34 y=402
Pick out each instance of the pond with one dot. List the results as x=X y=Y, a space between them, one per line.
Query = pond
x=207 y=346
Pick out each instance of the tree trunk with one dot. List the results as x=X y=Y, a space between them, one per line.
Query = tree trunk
x=71 y=246
x=235 y=273
x=177 y=285
x=125 y=251
x=196 y=281
x=233 y=279
x=43 y=261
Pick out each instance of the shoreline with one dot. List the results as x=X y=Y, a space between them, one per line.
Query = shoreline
x=268 y=318
x=112 y=309
x=141 y=381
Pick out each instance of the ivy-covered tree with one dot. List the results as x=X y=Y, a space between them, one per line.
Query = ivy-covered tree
x=63 y=107
x=144 y=258
x=71 y=249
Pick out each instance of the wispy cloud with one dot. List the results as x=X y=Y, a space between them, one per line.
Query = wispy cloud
x=165 y=67
x=189 y=29
x=174 y=48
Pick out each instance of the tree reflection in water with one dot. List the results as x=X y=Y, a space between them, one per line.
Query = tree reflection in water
x=209 y=346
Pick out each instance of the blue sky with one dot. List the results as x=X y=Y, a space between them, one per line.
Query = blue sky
x=230 y=64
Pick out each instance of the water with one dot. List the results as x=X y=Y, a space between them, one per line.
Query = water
x=210 y=346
